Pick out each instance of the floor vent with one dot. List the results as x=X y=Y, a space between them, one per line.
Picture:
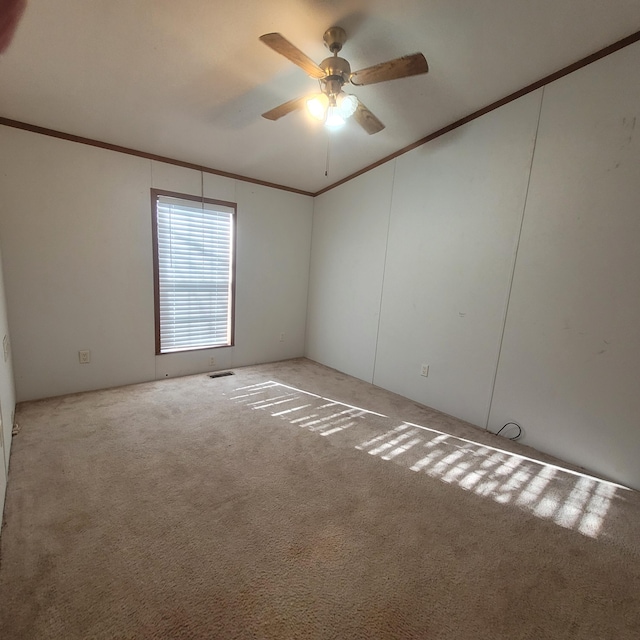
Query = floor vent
x=220 y=374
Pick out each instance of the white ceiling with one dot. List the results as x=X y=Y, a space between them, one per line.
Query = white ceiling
x=189 y=79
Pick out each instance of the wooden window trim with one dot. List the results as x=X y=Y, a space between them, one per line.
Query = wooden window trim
x=156 y=263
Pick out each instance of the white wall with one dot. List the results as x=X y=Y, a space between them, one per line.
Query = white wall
x=350 y=227
x=456 y=213
x=76 y=238
x=411 y=263
x=570 y=364
x=7 y=394
x=568 y=368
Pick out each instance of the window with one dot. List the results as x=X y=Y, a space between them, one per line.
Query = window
x=193 y=250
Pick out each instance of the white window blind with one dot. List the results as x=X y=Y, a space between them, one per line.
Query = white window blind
x=194 y=273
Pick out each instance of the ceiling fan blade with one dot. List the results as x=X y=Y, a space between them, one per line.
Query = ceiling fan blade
x=367 y=120
x=282 y=110
x=398 y=68
x=282 y=46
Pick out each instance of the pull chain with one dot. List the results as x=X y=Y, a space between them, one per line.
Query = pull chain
x=326 y=166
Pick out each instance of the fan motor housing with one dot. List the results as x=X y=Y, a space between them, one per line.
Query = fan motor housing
x=336 y=67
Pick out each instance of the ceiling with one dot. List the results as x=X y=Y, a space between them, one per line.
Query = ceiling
x=189 y=79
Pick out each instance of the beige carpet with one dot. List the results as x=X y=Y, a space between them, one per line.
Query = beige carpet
x=260 y=506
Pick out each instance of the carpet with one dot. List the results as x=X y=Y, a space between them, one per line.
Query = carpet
x=292 y=501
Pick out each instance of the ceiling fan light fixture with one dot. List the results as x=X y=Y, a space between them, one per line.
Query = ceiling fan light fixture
x=317 y=106
x=333 y=106
x=346 y=104
x=334 y=118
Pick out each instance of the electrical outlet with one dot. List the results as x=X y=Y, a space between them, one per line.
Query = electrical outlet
x=282 y=337
x=424 y=371
x=212 y=361
x=84 y=356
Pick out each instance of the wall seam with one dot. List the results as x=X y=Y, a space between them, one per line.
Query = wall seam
x=384 y=271
x=515 y=262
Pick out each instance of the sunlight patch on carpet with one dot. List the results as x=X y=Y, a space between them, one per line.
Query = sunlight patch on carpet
x=571 y=499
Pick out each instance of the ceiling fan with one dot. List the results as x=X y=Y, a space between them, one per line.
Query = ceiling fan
x=332 y=105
